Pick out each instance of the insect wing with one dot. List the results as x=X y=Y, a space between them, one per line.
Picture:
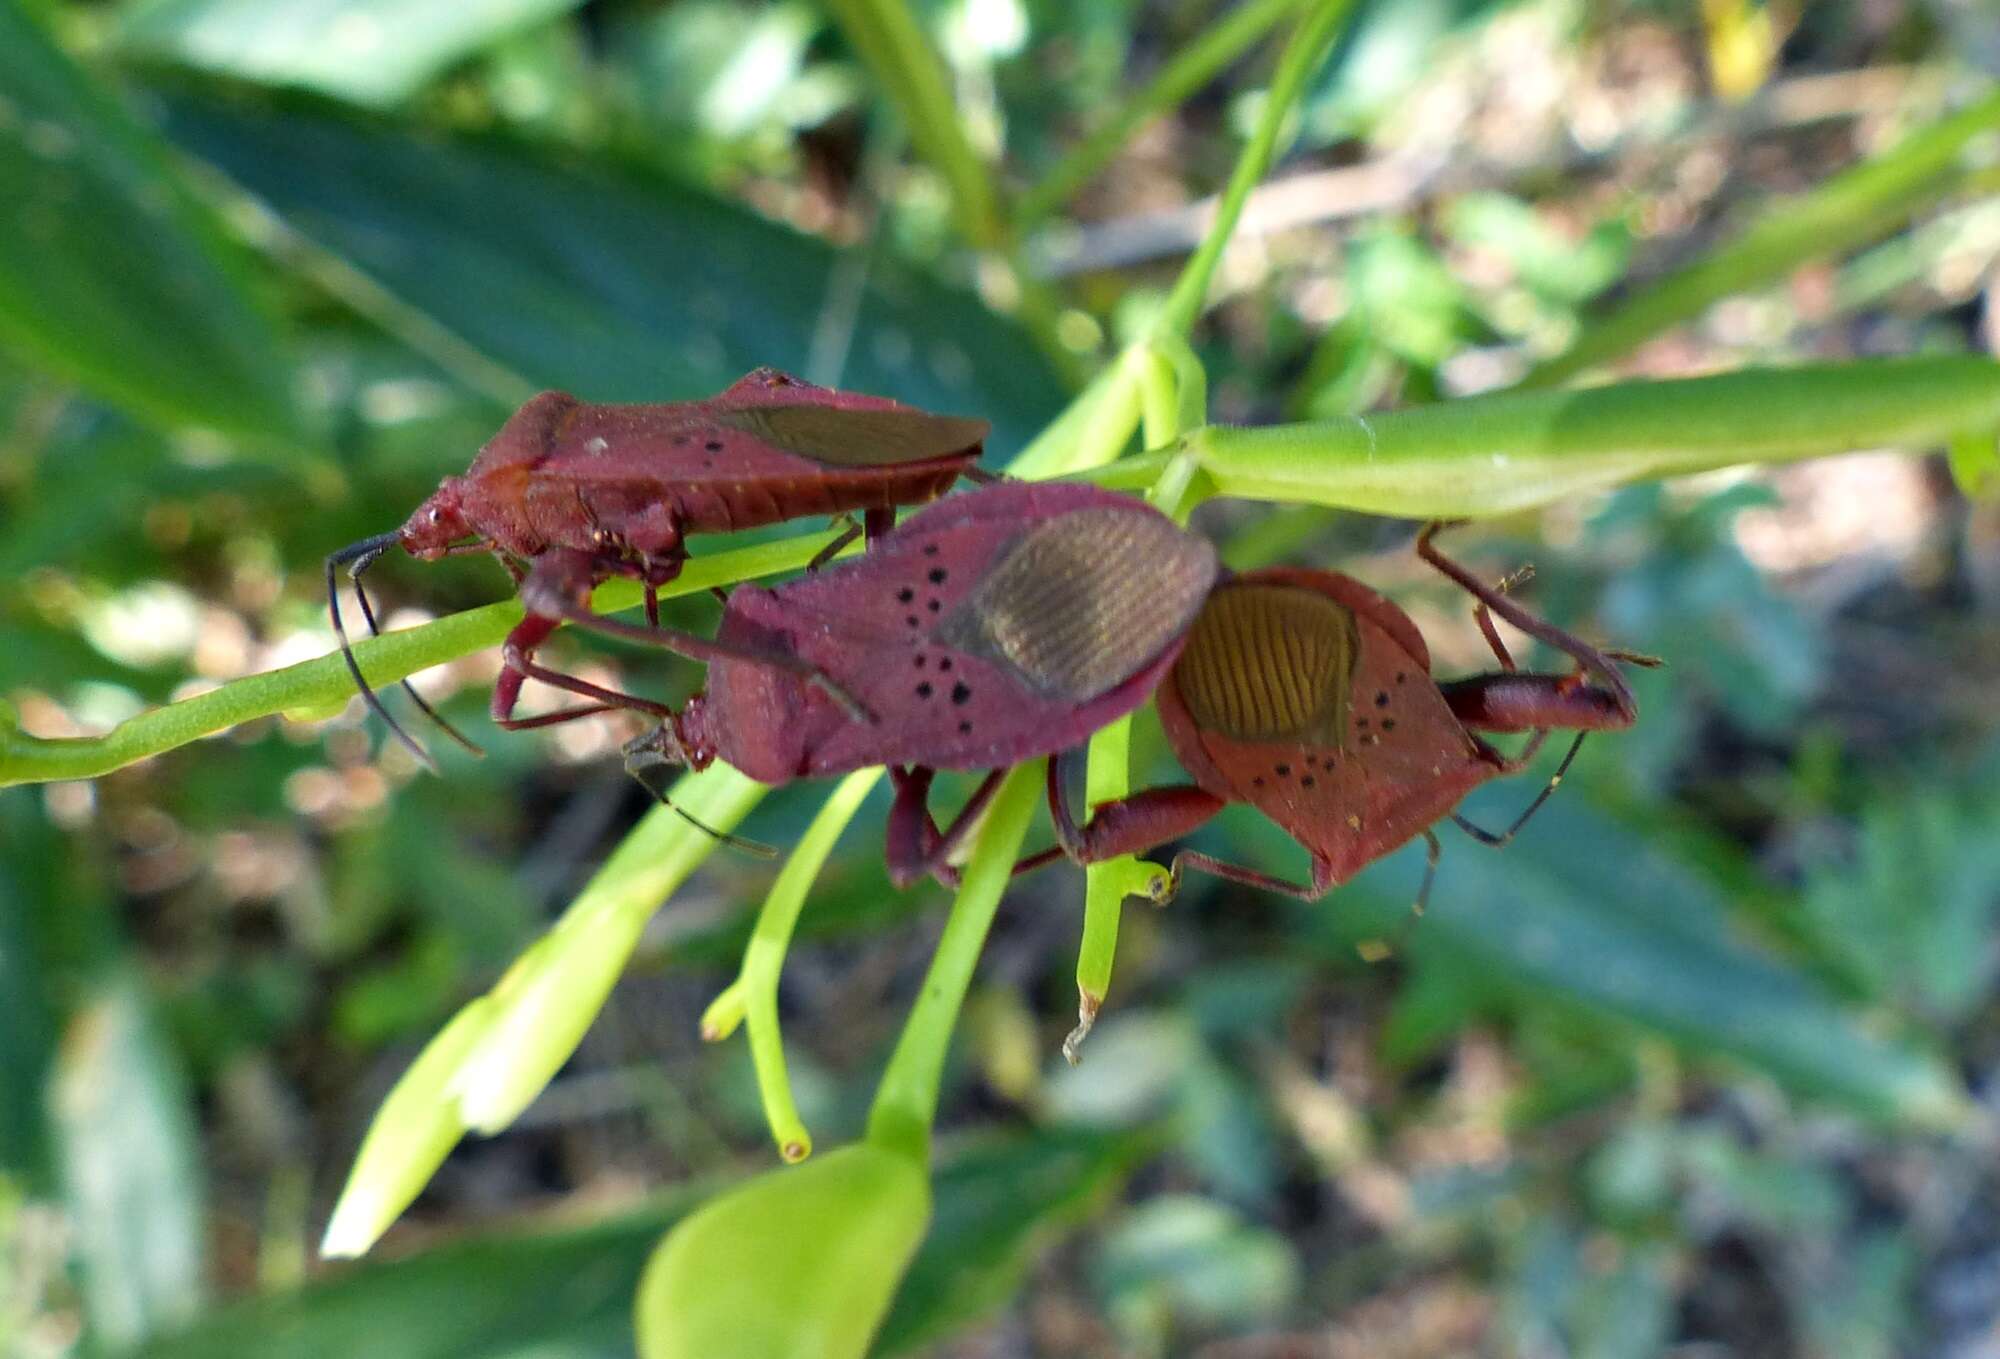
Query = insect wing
x=1286 y=698
x=982 y=632
x=860 y=437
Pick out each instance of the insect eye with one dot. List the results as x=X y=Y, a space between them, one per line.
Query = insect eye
x=437 y=515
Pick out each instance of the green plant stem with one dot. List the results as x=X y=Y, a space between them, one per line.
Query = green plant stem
x=753 y=997
x=1173 y=393
x=1515 y=450
x=1193 y=66
x=907 y=1098
x=893 y=43
x=1859 y=205
x=1302 y=55
x=321 y=687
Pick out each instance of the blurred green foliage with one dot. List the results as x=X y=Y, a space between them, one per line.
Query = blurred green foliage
x=1703 y=1059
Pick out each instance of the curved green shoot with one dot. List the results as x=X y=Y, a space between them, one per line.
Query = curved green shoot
x=907 y=1097
x=752 y=999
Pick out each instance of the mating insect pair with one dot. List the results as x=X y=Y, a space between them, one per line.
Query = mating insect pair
x=1002 y=625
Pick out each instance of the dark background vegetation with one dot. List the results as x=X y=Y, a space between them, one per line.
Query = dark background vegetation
x=1704 y=1065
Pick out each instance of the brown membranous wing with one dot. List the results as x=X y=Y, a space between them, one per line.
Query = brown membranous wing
x=858 y=438
x=1270 y=663
x=1080 y=603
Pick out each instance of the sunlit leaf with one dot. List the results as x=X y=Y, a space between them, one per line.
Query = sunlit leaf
x=370 y=51
x=130 y=1169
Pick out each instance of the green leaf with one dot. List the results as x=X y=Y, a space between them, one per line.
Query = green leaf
x=1975 y=464
x=999 y=1202
x=1908 y=913
x=130 y=1169
x=27 y=1035
x=586 y=278
x=111 y=276
x=538 y=1294
x=1583 y=913
x=801 y=1260
x=370 y=51
x=569 y=1293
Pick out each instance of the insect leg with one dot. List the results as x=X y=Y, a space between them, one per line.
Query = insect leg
x=1128 y=825
x=1322 y=875
x=607 y=699
x=848 y=533
x=1586 y=655
x=916 y=847
x=541 y=598
x=1487 y=837
x=518 y=665
x=1432 y=849
x=1375 y=950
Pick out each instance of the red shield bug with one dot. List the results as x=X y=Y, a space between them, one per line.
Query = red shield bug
x=1309 y=696
x=569 y=494
x=994 y=627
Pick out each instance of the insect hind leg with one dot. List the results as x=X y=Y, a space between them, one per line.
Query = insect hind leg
x=1506 y=837
x=1585 y=655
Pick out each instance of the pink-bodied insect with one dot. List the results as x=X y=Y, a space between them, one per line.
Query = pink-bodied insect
x=570 y=494
x=996 y=626
x=1310 y=696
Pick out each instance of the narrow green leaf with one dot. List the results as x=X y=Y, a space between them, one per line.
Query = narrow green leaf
x=27 y=1032
x=1860 y=205
x=111 y=276
x=535 y=1294
x=1192 y=66
x=1621 y=928
x=609 y=286
x=906 y=1098
x=891 y=39
x=525 y=1295
x=130 y=1169
x=369 y=51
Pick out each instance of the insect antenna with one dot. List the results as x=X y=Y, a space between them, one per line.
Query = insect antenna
x=358 y=557
x=368 y=612
x=1487 y=837
x=756 y=849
